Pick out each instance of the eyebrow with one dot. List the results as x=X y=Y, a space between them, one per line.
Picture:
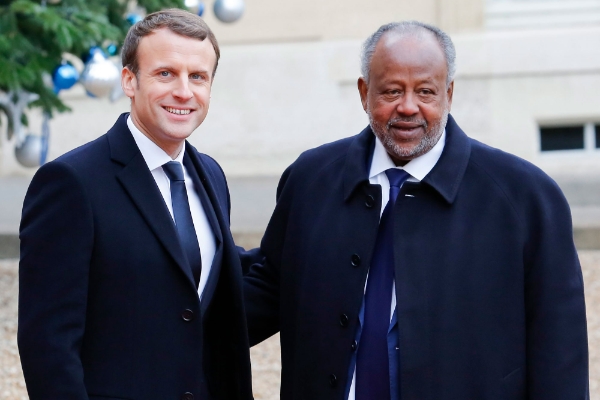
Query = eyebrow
x=170 y=68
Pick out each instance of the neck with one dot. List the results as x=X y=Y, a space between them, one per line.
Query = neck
x=172 y=148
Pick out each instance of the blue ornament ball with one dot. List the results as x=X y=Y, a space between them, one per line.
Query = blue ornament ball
x=64 y=77
x=133 y=18
x=112 y=49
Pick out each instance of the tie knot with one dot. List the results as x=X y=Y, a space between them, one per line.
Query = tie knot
x=396 y=176
x=173 y=170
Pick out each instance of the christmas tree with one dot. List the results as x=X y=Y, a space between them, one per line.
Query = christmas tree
x=36 y=38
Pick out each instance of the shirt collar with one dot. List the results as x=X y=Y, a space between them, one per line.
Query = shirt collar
x=153 y=155
x=418 y=167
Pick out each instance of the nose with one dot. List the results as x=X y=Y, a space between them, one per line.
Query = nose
x=182 y=89
x=408 y=104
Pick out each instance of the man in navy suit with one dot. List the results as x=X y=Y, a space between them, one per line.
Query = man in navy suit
x=116 y=301
x=469 y=288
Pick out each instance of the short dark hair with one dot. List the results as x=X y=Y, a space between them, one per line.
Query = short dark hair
x=178 y=21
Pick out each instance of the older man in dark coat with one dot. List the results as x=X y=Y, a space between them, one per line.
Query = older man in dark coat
x=467 y=286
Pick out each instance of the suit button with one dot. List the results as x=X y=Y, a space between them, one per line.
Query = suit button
x=355 y=260
x=370 y=201
x=187 y=396
x=354 y=346
x=333 y=380
x=187 y=316
x=344 y=320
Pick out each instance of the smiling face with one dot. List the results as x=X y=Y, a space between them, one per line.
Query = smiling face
x=170 y=94
x=406 y=98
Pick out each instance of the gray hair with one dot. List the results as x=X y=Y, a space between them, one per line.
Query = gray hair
x=409 y=27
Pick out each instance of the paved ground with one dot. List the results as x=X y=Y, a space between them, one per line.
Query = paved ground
x=266 y=365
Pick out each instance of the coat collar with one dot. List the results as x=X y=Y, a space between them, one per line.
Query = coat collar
x=122 y=145
x=445 y=177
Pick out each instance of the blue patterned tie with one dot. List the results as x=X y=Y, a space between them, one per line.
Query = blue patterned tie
x=183 y=218
x=372 y=362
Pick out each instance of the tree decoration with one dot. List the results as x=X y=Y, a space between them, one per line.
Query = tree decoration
x=112 y=49
x=64 y=77
x=100 y=75
x=195 y=6
x=228 y=10
x=134 y=18
x=29 y=151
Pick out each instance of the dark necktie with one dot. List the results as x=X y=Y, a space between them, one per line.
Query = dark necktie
x=372 y=362
x=183 y=217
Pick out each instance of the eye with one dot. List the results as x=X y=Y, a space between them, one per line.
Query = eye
x=164 y=73
x=392 y=93
x=195 y=76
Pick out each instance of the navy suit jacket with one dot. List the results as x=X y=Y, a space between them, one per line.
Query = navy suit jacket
x=108 y=308
x=489 y=289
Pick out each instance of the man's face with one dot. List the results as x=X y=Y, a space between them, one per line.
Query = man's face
x=407 y=98
x=171 y=93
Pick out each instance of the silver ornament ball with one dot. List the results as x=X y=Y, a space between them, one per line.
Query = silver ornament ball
x=100 y=75
x=29 y=152
x=228 y=10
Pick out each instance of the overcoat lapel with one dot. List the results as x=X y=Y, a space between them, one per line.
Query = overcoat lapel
x=139 y=184
x=204 y=183
x=196 y=171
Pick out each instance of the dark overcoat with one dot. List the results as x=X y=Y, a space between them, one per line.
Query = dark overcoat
x=489 y=289
x=108 y=308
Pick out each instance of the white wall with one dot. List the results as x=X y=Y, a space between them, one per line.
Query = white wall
x=271 y=101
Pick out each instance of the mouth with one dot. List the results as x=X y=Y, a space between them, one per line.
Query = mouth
x=406 y=129
x=178 y=111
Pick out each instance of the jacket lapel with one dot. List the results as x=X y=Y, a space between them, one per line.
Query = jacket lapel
x=194 y=166
x=205 y=189
x=358 y=162
x=446 y=176
x=139 y=184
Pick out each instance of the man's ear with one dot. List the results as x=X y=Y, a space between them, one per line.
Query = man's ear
x=449 y=93
x=128 y=82
x=363 y=89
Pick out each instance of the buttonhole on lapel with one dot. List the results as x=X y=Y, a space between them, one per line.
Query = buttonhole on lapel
x=409 y=195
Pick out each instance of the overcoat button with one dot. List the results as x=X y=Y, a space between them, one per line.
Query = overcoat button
x=333 y=380
x=187 y=316
x=355 y=260
x=187 y=396
x=354 y=345
x=370 y=201
x=344 y=320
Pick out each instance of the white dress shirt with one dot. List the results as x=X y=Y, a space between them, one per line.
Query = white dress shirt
x=155 y=158
x=417 y=168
